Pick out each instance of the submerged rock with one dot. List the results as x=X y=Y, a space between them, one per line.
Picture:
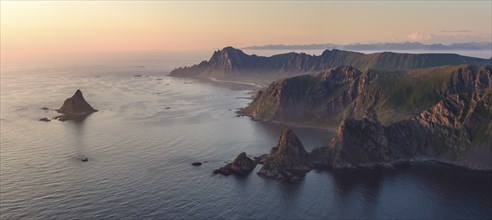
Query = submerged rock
x=44 y=119
x=240 y=166
x=196 y=164
x=75 y=107
x=288 y=161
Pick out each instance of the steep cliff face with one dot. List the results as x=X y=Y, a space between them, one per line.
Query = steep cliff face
x=231 y=62
x=288 y=161
x=457 y=130
x=345 y=92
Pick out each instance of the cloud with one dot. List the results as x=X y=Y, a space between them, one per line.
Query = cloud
x=456 y=31
x=417 y=36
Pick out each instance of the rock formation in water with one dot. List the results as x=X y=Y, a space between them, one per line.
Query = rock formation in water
x=75 y=107
x=325 y=98
x=234 y=62
x=196 y=164
x=288 y=161
x=242 y=165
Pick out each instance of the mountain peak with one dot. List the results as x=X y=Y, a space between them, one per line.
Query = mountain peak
x=288 y=161
x=289 y=144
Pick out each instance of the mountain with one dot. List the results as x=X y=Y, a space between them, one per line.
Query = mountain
x=234 y=62
x=457 y=130
x=325 y=98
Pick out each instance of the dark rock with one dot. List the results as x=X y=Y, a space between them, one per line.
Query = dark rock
x=44 y=119
x=168 y=108
x=137 y=75
x=260 y=159
x=45 y=108
x=288 y=161
x=75 y=108
x=242 y=165
x=84 y=159
x=196 y=164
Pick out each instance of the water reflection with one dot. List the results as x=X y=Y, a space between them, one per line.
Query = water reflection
x=366 y=181
x=77 y=130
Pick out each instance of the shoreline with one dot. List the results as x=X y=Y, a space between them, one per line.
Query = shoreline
x=235 y=82
x=233 y=85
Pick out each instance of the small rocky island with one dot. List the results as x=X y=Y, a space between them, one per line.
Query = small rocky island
x=286 y=162
x=75 y=108
x=242 y=165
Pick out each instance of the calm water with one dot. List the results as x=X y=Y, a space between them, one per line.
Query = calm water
x=140 y=156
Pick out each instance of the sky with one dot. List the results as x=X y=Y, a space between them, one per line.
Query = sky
x=58 y=28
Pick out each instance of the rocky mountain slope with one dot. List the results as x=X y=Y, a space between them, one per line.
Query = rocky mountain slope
x=457 y=130
x=234 y=62
x=325 y=98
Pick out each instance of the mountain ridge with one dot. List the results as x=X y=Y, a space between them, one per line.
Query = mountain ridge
x=325 y=98
x=234 y=62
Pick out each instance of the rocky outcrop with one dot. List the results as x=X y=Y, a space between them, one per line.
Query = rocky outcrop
x=457 y=130
x=231 y=62
x=75 y=107
x=288 y=161
x=242 y=165
x=325 y=98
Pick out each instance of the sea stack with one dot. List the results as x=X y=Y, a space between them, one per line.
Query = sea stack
x=242 y=165
x=288 y=161
x=75 y=107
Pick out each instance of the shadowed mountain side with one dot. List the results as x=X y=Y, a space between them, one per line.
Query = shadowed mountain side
x=457 y=131
x=323 y=99
x=230 y=62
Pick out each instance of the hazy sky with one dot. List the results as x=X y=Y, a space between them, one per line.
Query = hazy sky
x=57 y=27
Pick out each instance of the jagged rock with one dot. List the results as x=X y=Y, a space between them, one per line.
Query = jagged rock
x=288 y=161
x=75 y=107
x=240 y=166
x=260 y=159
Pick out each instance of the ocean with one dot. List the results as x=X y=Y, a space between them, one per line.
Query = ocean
x=148 y=131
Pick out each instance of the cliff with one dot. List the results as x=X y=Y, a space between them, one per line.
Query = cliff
x=234 y=62
x=457 y=130
x=325 y=98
